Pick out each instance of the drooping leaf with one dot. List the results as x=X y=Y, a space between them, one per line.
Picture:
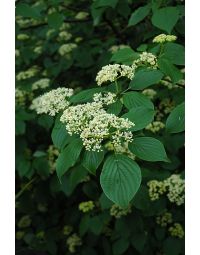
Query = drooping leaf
x=138 y=15
x=68 y=157
x=59 y=135
x=175 y=53
x=148 y=148
x=120 y=179
x=176 y=120
x=120 y=246
x=165 y=18
x=169 y=69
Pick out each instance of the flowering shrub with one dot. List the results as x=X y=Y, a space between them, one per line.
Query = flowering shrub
x=100 y=127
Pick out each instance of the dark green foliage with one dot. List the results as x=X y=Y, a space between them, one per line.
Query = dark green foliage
x=54 y=172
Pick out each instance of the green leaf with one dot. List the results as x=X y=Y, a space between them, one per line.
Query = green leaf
x=120 y=179
x=176 y=120
x=105 y=3
x=20 y=127
x=175 y=53
x=138 y=15
x=27 y=11
x=120 y=246
x=91 y=160
x=84 y=224
x=172 y=246
x=138 y=241
x=170 y=70
x=96 y=225
x=144 y=78
x=77 y=175
x=23 y=167
x=41 y=166
x=85 y=95
x=141 y=116
x=59 y=135
x=39 y=154
x=68 y=157
x=115 y=108
x=124 y=56
x=105 y=202
x=55 y=20
x=136 y=99
x=165 y=18
x=149 y=149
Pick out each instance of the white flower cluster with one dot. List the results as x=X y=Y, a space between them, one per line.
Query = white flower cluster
x=81 y=15
x=177 y=230
x=164 y=38
x=72 y=242
x=22 y=37
x=156 y=188
x=41 y=84
x=17 y=53
x=155 y=126
x=164 y=219
x=65 y=36
x=22 y=96
x=52 y=154
x=32 y=71
x=105 y=98
x=115 y=48
x=66 y=48
x=38 y=49
x=146 y=59
x=120 y=149
x=52 y=102
x=114 y=72
x=118 y=212
x=175 y=189
x=150 y=93
x=94 y=125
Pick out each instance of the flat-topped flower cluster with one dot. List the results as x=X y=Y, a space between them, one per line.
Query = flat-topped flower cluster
x=90 y=120
x=94 y=124
x=174 y=187
x=52 y=102
x=113 y=72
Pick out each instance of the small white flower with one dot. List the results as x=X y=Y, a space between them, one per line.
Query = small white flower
x=113 y=72
x=105 y=98
x=52 y=102
x=41 y=84
x=164 y=38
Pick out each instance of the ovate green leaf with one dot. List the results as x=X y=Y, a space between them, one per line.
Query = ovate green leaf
x=141 y=116
x=138 y=15
x=144 y=78
x=92 y=159
x=176 y=120
x=120 y=179
x=68 y=157
x=136 y=99
x=165 y=18
x=149 y=149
